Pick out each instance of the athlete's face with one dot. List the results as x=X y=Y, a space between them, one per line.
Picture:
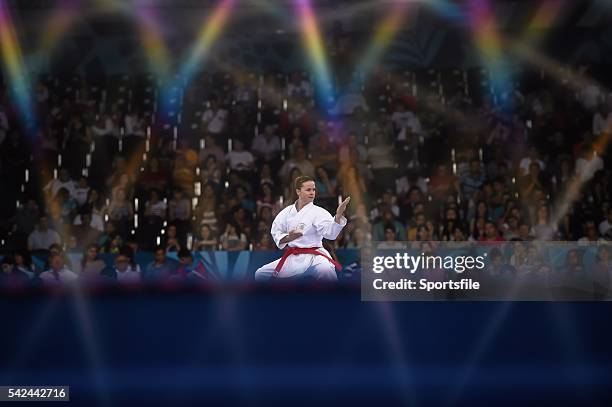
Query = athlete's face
x=307 y=192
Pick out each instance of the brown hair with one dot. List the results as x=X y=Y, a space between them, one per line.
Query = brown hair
x=299 y=181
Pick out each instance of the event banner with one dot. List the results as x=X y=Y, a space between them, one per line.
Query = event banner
x=522 y=271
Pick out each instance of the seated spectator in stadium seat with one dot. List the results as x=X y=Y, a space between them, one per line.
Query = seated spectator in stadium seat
x=160 y=269
x=208 y=205
x=542 y=229
x=590 y=234
x=85 y=233
x=299 y=161
x=11 y=277
x=63 y=181
x=472 y=181
x=442 y=183
x=120 y=211
x=154 y=176
x=387 y=218
x=390 y=239
x=205 y=239
x=267 y=145
x=532 y=157
x=497 y=267
x=239 y=159
x=211 y=148
x=124 y=270
x=233 y=239
x=491 y=233
x=81 y=191
x=58 y=273
x=42 y=237
x=90 y=267
x=214 y=118
x=179 y=212
x=264 y=242
x=605 y=227
x=23 y=263
x=170 y=240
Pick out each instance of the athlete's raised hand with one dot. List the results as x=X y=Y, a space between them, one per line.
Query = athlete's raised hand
x=341 y=209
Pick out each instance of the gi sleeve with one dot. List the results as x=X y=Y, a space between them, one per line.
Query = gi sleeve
x=278 y=229
x=326 y=225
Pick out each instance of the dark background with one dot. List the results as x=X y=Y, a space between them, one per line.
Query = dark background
x=307 y=346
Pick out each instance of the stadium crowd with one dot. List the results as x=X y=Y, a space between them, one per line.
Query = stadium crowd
x=124 y=164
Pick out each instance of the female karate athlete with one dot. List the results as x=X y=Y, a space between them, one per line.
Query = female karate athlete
x=300 y=229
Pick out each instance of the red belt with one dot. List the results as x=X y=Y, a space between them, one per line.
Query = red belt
x=303 y=250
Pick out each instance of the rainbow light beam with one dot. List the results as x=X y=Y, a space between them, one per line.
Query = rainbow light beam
x=311 y=39
x=488 y=42
x=64 y=16
x=384 y=34
x=543 y=18
x=13 y=62
x=150 y=34
x=207 y=36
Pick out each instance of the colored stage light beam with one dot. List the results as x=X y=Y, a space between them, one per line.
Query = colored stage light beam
x=447 y=10
x=488 y=42
x=208 y=34
x=543 y=18
x=63 y=18
x=545 y=15
x=311 y=39
x=12 y=59
x=383 y=35
x=151 y=36
x=577 y=83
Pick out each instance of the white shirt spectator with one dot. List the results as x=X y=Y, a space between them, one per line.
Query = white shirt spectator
x=157 y=209
x=240 y=160
x=80 y=195
x=406 y=120
x=96 y=221
x=134 y=126
x=107 y=130
x=63 y=276
x=56 y=184
x=604 y=227
x=526 y=162
x=39 y=240
x=215 y=120
x=268 y=148
x=402 y=185
x=130 y=275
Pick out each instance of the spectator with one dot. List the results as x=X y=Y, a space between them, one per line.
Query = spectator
x=90 y=267
x=205 y=240
x=124 y=270
x=160 y=269
x=58 y=274
x=233 y=239
x=43 y=237
x=11 y=277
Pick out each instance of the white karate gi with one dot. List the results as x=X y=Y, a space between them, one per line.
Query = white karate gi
x=315 y=223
